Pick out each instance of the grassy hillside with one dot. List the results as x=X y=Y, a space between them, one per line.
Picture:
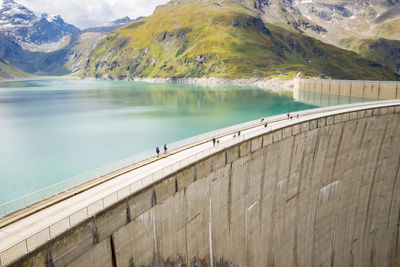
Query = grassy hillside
x=224 y=39
x=383 y=51
x=9 y=72
x=72 y=57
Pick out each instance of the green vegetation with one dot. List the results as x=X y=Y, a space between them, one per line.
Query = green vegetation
x=383 y=51
x=223 y=40
x=9 y=72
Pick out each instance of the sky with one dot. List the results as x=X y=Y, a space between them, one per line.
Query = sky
x=89 y=13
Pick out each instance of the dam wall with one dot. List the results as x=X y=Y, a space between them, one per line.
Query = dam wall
x=317 y=192
x=362 y=90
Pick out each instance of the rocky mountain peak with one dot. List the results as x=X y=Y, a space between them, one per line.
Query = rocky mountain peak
x=332 y=20
x=15 y=15
x=24 y=27
x=120 y=21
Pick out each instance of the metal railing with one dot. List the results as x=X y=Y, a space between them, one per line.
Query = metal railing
x=65 y=185
x=37 y=239
x=29 y=244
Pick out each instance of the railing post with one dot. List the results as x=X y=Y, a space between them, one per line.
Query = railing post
x=4 y=209
x=49 y=233
x=26 y=246
x=69 y=221
x=25 y=202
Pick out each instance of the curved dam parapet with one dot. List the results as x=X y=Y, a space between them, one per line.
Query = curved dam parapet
x=323 y=190
x=325 y=92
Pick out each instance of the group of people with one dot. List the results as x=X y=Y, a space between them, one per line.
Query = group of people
x=236 y=134
x=158 y=150
x=291 y=117
x=216 y=141
x=262 y=122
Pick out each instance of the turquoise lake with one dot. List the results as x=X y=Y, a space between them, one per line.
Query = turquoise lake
x=54 y=129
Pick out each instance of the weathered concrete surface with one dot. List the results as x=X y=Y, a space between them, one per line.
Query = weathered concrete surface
x=377 y=90
x=324 y=192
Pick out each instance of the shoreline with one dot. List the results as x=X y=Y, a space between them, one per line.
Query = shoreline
x=274 y=84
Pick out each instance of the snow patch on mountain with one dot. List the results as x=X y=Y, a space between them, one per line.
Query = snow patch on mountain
x=117 y=22
x=50 y=18
x=28 y=29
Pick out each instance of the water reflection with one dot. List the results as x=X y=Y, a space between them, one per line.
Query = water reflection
x=329 y=100
x=53 y=129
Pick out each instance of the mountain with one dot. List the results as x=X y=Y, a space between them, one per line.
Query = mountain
x=114 y=24
x=11 y=51
x=27 y=29
x=350 y=39
x=384 y=51
x=46 y=44
x=24 y=36
x=357 y=25
x=221 y=38
x=72 y=57
x=333 y=20
x=9 y=72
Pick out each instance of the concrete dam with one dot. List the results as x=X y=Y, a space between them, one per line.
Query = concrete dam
x=324 y=92
x=319 y=190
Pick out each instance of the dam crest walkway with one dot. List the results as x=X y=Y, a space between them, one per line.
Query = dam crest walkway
x=25 y=230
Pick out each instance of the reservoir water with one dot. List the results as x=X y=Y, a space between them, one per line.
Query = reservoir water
x=53 y=129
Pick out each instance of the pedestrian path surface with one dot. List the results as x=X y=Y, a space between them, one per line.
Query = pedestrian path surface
x=24 y=228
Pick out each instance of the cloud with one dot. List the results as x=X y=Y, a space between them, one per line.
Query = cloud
x=90 y=13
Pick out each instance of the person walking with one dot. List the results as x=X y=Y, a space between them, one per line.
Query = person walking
x=239 y=133
x=158 y=151
x=165 y=148
x=262 y=120
x=266 y=124
x=213 y=140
